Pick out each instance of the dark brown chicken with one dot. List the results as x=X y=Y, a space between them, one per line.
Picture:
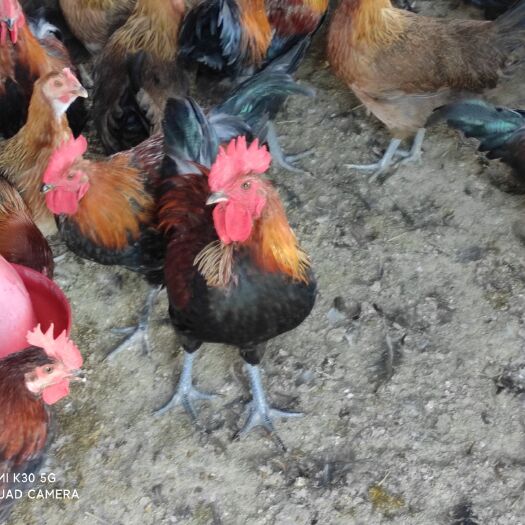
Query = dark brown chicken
x=237 y=37
x=136 y=73
x=402 y=66
x=235 y=273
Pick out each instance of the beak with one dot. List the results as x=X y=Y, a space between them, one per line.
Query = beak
x=10 y=22
x=78 y=375
x=216 y=197
x=45 y=188
x=80 y=91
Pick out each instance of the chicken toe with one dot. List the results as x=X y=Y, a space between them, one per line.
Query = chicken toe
x=140 y=332
x=185 y=393
x=384 y=164
x=287 y=162
x=259 y=412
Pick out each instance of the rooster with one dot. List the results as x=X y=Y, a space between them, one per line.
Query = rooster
x=105 y=208
x=93 y=21
x=237 y=37
x=136 y=73
x=24 y=59
x=501 y=131
x=24 y=157
x=21 y=242
x=36 y=367
x=402 y=66
x=234 y=271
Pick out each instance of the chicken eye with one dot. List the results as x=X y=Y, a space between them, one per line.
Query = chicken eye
x=48 y=369
x=246 y=185
x=70 y=176
x=57 y=83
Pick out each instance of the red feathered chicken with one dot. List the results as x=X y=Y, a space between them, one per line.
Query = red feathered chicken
x=23 y=59
x=21 y=241
x=234 y=272
x=37 y=363
x=236 y=37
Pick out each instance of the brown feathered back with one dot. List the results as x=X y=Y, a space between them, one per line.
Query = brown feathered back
x=403 y=65
x=21 y=242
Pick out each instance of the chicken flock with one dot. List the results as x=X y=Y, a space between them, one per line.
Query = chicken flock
x=181 y=196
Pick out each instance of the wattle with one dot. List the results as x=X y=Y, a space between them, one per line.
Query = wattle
x=233 y=223
x=59 y=201
x=54 y=393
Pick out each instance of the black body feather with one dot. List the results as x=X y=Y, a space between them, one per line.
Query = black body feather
x=212 y=36
x=493 y=8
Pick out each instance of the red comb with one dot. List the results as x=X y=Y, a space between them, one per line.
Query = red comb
x=64 y=157
x=237 y=160
x=9 y=9
x=70 y=76
x=60 y=348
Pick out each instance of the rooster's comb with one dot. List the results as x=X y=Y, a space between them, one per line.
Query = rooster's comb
x=64 y=157
x=236 y=160
x=60 y=348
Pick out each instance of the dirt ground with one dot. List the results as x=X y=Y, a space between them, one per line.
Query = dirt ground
x=410 y=370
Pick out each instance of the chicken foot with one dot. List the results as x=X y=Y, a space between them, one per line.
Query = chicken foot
x=186 y=393
x=139 y=332
x=279 y=156
x=391 y=152
x=259 y=412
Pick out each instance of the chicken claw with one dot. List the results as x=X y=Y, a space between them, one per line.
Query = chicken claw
x=260 y=413
x=284 y=161
x=186 y=393
x=139 y=332
x=387 y=162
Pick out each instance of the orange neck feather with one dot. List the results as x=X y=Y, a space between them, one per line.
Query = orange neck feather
x=273 y=243
x=116 y=203
x=32 y=53
x=257 y=33
x=368 y=21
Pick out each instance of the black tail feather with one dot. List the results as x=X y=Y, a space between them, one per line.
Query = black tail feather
x=501 y=131
x=211 y=35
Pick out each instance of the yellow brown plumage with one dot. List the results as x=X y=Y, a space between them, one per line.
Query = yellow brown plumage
x=24 y=157
x=91 y=21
